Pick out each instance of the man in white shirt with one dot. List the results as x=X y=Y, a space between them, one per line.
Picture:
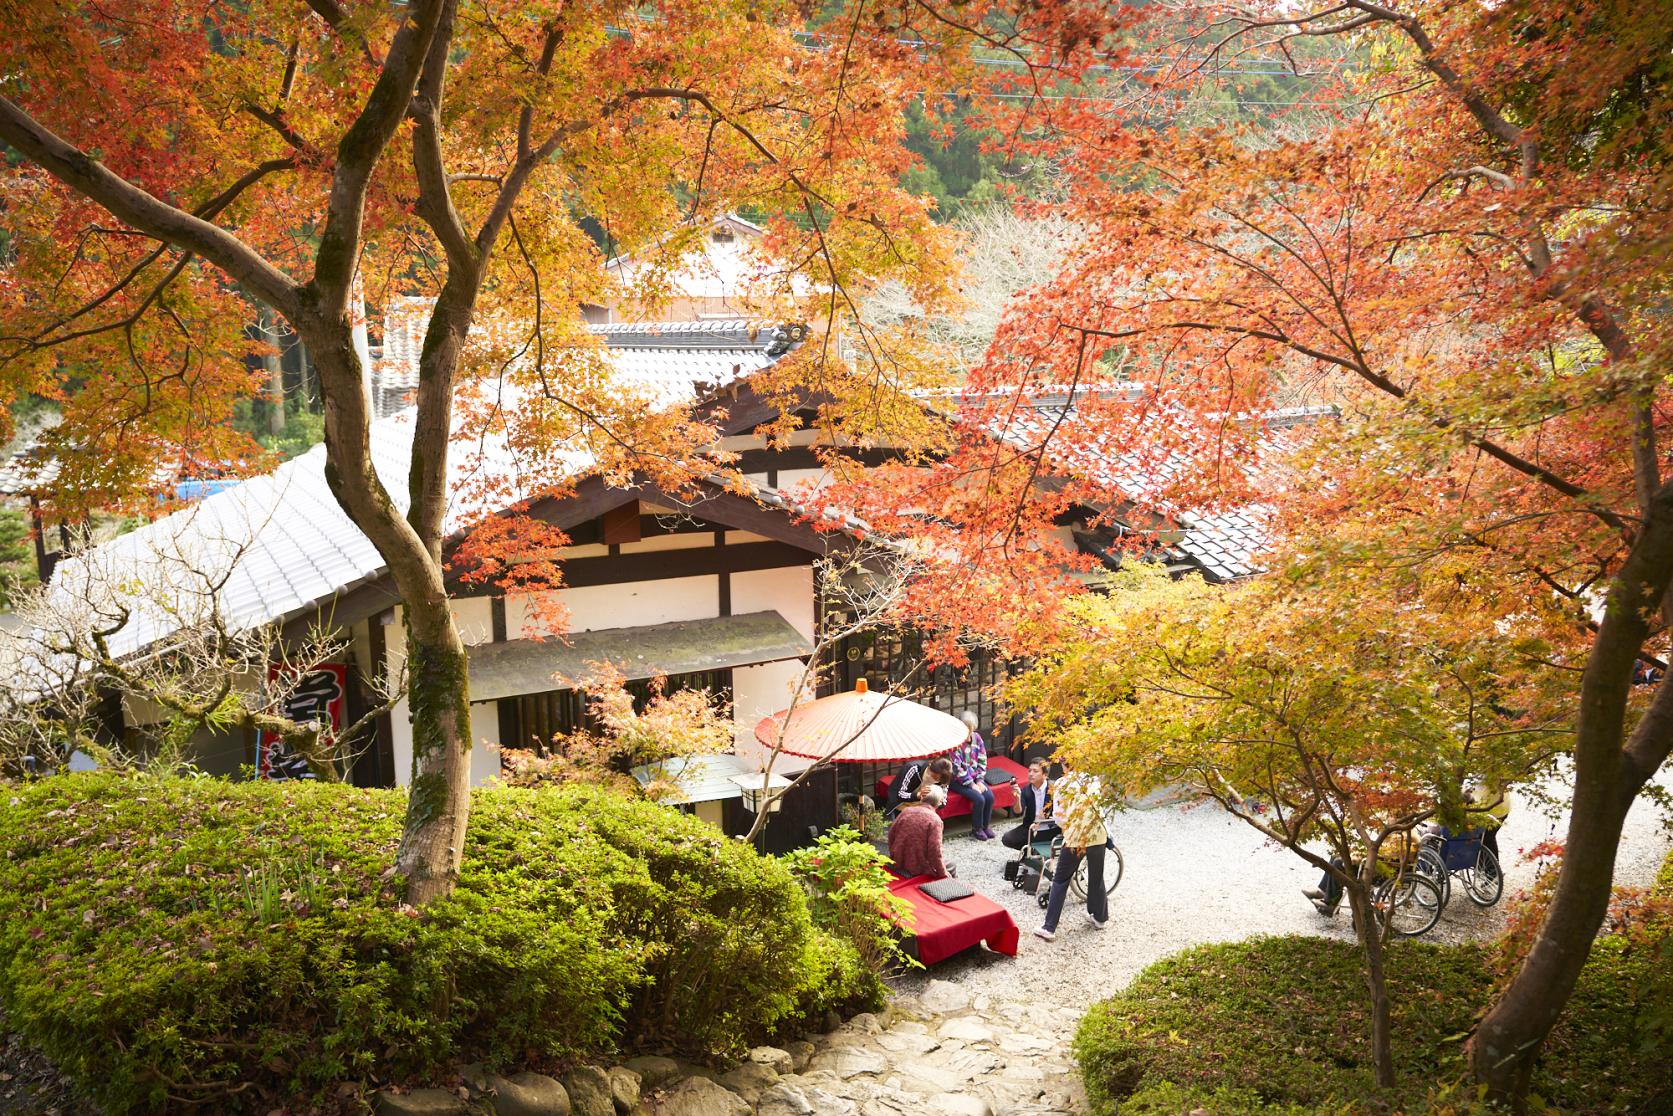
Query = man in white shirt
x=1035 y=799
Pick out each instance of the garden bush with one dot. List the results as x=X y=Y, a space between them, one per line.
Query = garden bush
x=1280 y=1027
x=847 y=882
x=179 y=941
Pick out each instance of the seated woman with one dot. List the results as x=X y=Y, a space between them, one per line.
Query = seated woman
x=915 y=836
x=970 y=771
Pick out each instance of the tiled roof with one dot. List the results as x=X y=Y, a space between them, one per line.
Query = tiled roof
x=290 y=547
x=665 y=357
x=1224 y=544
x=404 y=322
x=27 y=471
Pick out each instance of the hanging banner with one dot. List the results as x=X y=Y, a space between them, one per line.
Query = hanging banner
x=317 y=696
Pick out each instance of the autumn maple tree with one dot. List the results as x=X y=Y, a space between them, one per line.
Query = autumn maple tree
x=1333 y=714
x=1452 y=222
x=178 y=171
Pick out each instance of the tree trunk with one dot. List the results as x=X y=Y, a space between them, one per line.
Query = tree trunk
x=275 y=370
x=438 y=801
x=1376 y=981
x=1607 y=778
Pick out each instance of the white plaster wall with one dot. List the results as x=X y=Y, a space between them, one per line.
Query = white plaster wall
x=631 y=605
x=710 y=812
x=756 y=692
x=764 y=689
x=803 y=479
x=733 y=538
x=474 y=619
x=787 y=591
x=485 y=753
x=400 y=717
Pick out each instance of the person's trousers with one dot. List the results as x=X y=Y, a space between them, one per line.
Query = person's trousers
x=1017 y=836
x=1490 y=838
x=981 y=803
x=1330 y=886
x=1097 y=903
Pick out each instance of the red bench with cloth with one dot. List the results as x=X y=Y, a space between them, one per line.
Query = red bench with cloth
x=1004 y=794
x=943 y=929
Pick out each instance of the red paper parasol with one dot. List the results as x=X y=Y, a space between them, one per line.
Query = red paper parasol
x=875 y=728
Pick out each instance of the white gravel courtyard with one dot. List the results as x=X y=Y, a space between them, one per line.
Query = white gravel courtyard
x=1194 y=874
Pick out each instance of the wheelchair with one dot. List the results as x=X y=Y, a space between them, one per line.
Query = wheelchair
x=1442 y=856
x=1044 y=853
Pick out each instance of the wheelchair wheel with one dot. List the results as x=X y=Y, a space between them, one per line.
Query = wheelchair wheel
x=1431 y=866
x=1410 y=905
x=1113 y=867
x=1484 y=883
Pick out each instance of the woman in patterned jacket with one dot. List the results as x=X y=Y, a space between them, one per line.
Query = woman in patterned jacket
x=970 y=779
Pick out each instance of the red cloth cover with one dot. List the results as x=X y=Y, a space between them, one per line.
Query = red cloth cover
x=944 y=929
x=1004 y=794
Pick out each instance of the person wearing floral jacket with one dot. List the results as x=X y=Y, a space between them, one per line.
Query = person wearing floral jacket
x=1078 y=804
x=970 y=779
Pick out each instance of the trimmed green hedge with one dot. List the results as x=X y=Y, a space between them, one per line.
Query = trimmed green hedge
x=173 y=941
x=1280 y=1027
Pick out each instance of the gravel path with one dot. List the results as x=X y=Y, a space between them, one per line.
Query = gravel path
x=1194 y=874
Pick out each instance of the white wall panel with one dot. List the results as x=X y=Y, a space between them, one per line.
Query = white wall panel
x=400 y=717
x=803 y=479
x=629 y=605
x=787 y=591
x=485 y=731
x=756 y=692
x=475 y=617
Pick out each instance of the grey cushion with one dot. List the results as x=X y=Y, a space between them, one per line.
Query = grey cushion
x=995 y=778
x=945 y=891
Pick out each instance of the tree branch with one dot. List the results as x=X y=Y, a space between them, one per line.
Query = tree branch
x=435 y=197
x=140 y=210
x=361 y=148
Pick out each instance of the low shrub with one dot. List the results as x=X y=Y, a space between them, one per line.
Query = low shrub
x=847 y=882
x=172 y=942
x=1280 y=1027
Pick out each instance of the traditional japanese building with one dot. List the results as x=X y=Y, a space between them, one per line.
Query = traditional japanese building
x=714 y=591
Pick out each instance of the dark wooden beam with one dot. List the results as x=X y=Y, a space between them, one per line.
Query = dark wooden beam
x=381 y=769
x=770 y=461
x=348 y=606
x=657 y=565
x=745 y=409
x=715 y=509
x=620 y=525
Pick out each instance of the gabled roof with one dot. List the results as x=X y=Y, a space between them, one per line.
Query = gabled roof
x=724 y=268
x=290 y=546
